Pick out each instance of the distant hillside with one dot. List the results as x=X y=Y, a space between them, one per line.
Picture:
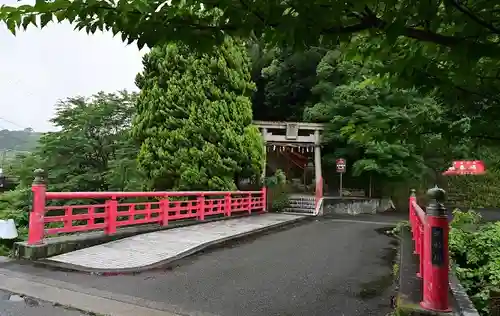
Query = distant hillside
x=18 y=141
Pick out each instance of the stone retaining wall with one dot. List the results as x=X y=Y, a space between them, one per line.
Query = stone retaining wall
x=356 y=206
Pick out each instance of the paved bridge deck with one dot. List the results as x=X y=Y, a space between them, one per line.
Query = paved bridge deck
x=148 y=249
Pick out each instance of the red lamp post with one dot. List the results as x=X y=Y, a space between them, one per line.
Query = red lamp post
x=435 y=240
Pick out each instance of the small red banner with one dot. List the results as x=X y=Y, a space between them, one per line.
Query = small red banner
x=462 y=167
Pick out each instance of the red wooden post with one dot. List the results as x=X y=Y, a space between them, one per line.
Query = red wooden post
x=227 y=204
x=419 y=234
x=36 y=221
x=164 y=205
x=111 y=216
x=412 y=216
x=436 y=254
x=201 y=207
x=420 y=249
x=264 y=199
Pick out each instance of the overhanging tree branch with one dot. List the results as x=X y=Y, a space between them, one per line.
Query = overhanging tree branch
x=158 y=21
x=464 y=10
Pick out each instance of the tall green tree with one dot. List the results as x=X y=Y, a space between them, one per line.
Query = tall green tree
x=194 y=118
x=261 y=57
x=383 y=129
x=288 y=82
x=467 y=89
x=92 y=135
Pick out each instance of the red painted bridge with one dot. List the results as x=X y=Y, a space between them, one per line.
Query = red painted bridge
x=324 y=266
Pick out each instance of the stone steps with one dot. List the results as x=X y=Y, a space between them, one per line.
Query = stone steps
x=301 y=205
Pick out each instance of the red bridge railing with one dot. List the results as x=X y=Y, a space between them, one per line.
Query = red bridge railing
x=430 y=235
x=111 y=212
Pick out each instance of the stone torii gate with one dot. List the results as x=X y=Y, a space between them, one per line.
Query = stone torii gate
x=294 y=134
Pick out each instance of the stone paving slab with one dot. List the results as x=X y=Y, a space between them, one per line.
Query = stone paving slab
x=152 y=248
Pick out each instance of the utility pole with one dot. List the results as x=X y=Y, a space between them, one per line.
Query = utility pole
x=2 y=176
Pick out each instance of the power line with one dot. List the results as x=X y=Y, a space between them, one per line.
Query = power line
x=13 y=123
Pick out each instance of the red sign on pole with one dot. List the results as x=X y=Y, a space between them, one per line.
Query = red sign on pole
x=462 y=167
x=341 y=165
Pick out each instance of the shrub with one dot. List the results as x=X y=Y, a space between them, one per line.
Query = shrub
x=475 y=250
x=278 y=190
x=15 y=205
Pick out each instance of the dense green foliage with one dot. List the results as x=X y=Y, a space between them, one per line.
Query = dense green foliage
x=474 y=247
x=447 y=44
x=194 y=118
x=93 y=135
x=286 y=82
x=82 y=155
x=404 y=88
x=378 y=126
x=450 y=44
x=278 y=190
x=91 y=151
x=472 y=192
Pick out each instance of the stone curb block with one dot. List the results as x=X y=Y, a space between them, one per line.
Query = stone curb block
x=462 y=300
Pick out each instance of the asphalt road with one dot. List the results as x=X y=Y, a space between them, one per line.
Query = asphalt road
x=15 y=305
x=324 y=267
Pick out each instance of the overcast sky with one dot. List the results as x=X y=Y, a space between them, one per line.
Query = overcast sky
x=39 y=67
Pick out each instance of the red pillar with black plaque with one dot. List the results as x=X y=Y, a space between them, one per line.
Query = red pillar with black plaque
x=436 y=254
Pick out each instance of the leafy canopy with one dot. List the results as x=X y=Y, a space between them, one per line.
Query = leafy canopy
x=91 y=151
x=468 y=89
x=377 y=125
x=469 y=29
x=288 y=80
